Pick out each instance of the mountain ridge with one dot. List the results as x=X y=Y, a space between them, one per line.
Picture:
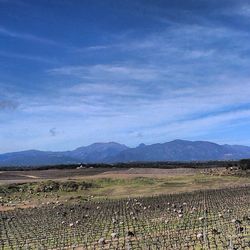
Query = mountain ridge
x=112 y=152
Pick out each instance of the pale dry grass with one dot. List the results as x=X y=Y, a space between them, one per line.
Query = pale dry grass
x=117 y=184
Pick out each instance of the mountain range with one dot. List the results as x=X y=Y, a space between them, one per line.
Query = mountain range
x=112 y=152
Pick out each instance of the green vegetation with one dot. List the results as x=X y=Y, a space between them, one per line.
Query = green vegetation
x=245 y=164
x=163 y=165
x=120 y=187
x=47 y=187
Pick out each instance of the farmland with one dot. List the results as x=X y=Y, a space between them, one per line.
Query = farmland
x=213 y=219
x=124 y=209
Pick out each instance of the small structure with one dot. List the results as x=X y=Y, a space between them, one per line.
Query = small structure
x=80 y=167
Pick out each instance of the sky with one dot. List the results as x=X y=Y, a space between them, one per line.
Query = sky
x=75 y=72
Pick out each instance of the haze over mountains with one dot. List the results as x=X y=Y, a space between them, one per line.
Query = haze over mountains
x=111 y=152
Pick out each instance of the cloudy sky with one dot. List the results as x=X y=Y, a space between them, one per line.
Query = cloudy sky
x=74 y=72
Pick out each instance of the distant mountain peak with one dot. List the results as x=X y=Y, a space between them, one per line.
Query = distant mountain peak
x=110 y=152
x=180 y=140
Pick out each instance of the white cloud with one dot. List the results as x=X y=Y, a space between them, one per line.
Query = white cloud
x=109 y=71
x=183 y=82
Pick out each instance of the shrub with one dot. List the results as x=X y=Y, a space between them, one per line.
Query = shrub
x=69 y=186
x=48 y=186
x=245 y=164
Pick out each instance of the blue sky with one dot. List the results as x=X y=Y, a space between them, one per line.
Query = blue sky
x=77 y=72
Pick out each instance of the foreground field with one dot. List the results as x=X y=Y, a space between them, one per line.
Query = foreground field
x=125 y=209
x=209 y=219
x=22 y=189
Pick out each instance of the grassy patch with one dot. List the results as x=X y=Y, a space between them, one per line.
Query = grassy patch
x=173 y=184
x=47 y=187
x=115 y=187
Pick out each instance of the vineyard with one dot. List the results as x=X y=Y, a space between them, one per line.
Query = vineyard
x=208 y=219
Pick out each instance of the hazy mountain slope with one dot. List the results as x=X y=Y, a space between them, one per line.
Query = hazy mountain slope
x=177 y=150
x=97 y=152
x=34 y=158
x=180 y=150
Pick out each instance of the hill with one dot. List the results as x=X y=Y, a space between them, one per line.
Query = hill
x=112 y=152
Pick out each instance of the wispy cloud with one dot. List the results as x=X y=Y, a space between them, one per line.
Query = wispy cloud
x=26 y=36
x=105 y=71
x=181 y=73
x=28 y=57
x=186 y=72
x=103 y=89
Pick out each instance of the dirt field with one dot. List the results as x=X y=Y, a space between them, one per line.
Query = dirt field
x=149 y=172
x=108 y=183
x=8 y=177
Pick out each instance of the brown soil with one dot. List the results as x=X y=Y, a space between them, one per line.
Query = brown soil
x=8 y=177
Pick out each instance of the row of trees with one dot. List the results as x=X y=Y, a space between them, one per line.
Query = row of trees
x=166 y=165
x=244 y=164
